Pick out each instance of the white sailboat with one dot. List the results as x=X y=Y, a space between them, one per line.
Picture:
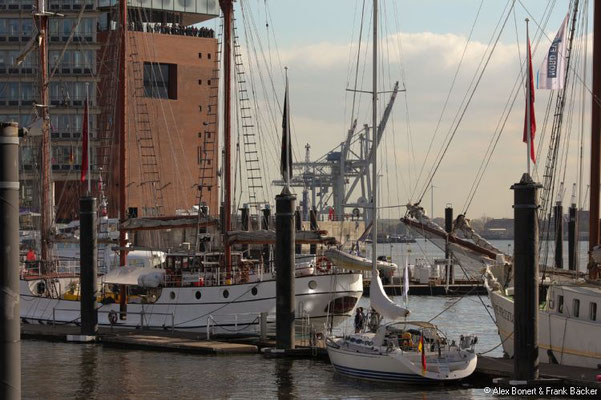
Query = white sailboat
x=398 y=351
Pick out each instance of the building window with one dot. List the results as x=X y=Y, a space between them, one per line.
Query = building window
x=200 y=108
x=209 y=82
x=593 y=311
x=208 y=135
x=199 y=55
x=160 y=80
x=200 y=134
x=209 y=56
x=560 y=304
x=199 y=155
x=200 y=81
x=576 y=308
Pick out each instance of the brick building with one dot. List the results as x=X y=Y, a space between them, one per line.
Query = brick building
x=172 y=97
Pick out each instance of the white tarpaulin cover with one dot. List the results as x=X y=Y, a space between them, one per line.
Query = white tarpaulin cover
x=135 y=276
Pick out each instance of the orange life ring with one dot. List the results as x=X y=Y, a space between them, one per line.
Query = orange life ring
x=323 y=264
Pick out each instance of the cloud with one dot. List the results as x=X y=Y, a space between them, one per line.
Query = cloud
x=319 y=76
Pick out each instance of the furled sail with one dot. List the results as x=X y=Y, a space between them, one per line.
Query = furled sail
x=381 y=303
x=355 y=263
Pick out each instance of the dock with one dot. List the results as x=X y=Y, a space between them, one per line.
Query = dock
x=488 y=369
x=185 y=342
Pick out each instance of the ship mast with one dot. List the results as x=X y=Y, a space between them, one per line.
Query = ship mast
x=374 y=229
x=122 y=143
x=595 y=137
x=227 y=8
x=41 y=19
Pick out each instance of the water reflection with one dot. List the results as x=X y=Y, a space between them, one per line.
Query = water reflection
x=88 y=379
x=284 y=379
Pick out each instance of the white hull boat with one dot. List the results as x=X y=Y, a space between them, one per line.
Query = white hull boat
x=569 y=329
x=224 y=309
x=386 y=356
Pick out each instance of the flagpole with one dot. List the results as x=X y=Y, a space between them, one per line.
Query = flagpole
x=528 y=100
x=88 y=142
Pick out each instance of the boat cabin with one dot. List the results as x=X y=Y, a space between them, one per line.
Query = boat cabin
x=577 y=301
x=206 y=269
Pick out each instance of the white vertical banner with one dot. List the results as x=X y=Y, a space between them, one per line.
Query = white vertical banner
x=553 y=71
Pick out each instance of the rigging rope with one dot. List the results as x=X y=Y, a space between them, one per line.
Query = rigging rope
x=465 y=104
x=450 y=91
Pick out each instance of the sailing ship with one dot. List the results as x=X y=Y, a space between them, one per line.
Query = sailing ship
x=211 y=287
x=568 y=324
x=398 y=351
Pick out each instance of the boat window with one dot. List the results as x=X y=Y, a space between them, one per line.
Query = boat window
x=254 y=291
x=576 y=308
x=226 y=294
x=198 y=295
x=593 y=311
x=560 y=304
x=359 y=341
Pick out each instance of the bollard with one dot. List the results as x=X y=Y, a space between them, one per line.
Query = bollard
x=572 y=242
x=525 y=279
x=88 y=266
x=265 y=226
x=558 y=216
x=284 y=265
x=10 y=333
x=313 y=227
x=298 y=225
x=448 y=226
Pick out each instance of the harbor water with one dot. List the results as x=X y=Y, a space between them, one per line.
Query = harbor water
x=54 y=371
x=61 y=370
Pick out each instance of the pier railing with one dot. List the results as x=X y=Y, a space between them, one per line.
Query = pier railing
x=142 y=315
x=259 y=323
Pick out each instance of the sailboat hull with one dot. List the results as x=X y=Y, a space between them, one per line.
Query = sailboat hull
x=396 y=366
x=232 y=309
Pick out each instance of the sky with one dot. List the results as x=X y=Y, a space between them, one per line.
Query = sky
x=422 y=45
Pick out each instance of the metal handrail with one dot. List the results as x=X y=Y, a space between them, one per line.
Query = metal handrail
x=141 y=313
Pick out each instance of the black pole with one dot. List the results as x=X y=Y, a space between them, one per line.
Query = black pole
x=265 y=226
x=572 y=247
x=10 y=329
x=526 y=279
x=448 y=226
x=313 y=227
x=88 y=266
x=284 y=264
x=558 y=215
x=222 y=218
x=245 y=223
x=298 y=224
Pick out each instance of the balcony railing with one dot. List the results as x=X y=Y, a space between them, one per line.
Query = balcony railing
x=75 y=5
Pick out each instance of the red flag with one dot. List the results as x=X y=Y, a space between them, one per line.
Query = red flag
x=423 y=350
x=530 y=85
x=84 y=150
